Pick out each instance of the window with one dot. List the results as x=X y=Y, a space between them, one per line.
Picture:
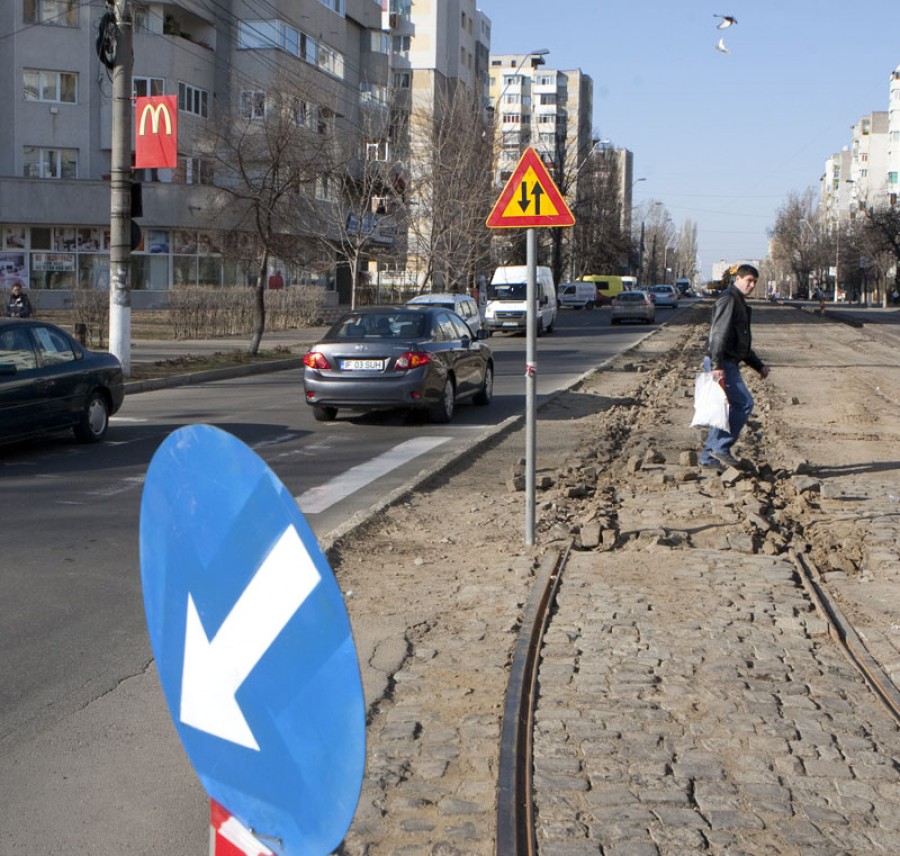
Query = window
x=401 y=44
x=331 y=61
x=193 y=170
x=334 y=5
x=379 y=42
x=377 y=151
x=143 y=20
x=892 y=177
x=53 y=347
x=253 y=35
x=50 y=163
x=61 y=13
x=547 y=98
x=193 y=100
x=253 y=104
x=325 y=189
x=143 y=87
x=401 y=80
x=544 y=80
x=58 y=87
x=510 y=118
x=306 y=114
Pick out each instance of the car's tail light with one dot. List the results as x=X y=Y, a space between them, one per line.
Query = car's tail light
x=615 y=301
x=315 y=360
x=411 y=360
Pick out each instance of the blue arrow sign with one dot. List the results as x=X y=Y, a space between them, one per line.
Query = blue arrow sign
x=252 y=642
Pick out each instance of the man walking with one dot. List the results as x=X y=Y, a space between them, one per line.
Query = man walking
x=730 y=344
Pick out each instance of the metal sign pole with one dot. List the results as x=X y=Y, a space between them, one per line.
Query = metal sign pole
x=530 y=380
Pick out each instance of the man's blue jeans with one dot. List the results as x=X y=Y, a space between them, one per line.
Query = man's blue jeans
x=740 y=406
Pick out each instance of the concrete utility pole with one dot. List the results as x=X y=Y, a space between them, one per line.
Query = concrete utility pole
x=120 y=190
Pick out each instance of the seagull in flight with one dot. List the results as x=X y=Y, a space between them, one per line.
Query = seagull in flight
x=721 y=47
x=726 y=22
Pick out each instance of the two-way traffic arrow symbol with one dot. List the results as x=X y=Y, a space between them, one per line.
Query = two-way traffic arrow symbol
x=524 y=200
x=214 y=669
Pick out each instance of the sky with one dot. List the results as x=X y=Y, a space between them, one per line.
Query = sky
x=721 y=139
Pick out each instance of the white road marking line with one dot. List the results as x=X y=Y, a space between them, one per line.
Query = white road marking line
x=318 y=499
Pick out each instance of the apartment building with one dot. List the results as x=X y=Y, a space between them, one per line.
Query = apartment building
x=867 y=172
x=547 y=109
x=224 y=61
x=439 y=60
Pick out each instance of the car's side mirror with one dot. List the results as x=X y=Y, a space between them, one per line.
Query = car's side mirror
x=482 y=334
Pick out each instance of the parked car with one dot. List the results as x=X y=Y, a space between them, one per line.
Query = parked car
x=461 y=304
x=632 y=306
x=411 y=356
x=50 y=382
x=664 y=295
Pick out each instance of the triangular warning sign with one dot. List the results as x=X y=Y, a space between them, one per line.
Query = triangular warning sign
x=530 y=198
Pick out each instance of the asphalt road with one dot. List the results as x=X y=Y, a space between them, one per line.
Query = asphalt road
x=89 y=760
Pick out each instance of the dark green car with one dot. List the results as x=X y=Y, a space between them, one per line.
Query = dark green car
x=50 y=382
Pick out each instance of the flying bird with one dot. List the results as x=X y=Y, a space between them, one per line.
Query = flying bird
x=721 y=47
x=726 y=22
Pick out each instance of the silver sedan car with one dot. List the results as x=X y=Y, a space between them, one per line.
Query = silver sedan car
x=384 y=357
x=633 y=306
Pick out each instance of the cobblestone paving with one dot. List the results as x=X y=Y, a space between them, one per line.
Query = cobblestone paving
x=691 y=704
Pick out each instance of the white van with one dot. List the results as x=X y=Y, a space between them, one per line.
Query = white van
x=507 y=305
x=577 y=295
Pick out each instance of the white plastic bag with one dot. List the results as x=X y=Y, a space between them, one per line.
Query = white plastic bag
x=710 y=403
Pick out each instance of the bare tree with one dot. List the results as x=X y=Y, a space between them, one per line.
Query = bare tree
x=685 y=264
x=796 y=242
x=367 y=199
x=881 y=232
x=267 y=160
x=450 y=190
x=657 y=242
x=598 y=244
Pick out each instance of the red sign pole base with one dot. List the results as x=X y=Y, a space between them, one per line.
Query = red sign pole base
x=229 y=837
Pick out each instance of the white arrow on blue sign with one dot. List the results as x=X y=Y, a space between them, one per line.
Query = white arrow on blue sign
x=252 y=642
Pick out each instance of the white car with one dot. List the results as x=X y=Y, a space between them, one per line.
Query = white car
x=461 y=304
x=664 y=295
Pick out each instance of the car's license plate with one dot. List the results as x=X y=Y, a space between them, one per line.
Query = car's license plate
x=362 y=365
x=510 y=323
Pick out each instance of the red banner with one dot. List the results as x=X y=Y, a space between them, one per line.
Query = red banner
x=156 y=132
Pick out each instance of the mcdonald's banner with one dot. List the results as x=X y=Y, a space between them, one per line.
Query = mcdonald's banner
x=156 y=132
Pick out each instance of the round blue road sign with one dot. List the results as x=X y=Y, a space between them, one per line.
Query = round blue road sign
x=252 y=642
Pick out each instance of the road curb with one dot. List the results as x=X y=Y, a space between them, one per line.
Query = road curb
x=132 y=387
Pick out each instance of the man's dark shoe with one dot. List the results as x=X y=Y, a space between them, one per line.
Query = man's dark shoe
x=728 y=460
x=712 y=464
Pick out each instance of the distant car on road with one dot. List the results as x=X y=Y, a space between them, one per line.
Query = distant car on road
x=664 y=295
x=461 y=304
x=633 y=306
x=385 y=357
x=50 y=382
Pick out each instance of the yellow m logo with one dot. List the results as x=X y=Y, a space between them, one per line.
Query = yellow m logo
x=155 y=112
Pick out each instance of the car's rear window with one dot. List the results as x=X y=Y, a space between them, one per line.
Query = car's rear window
x=631 y=297
x=380 y=325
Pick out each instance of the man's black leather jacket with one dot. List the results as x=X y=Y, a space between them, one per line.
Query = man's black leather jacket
x=729 y=332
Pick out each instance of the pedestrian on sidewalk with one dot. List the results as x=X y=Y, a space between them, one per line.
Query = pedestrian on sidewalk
x=18 y=305
x=730 y=344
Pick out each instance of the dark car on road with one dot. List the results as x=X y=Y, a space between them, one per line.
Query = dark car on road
x=50 y=382
x=384 y=357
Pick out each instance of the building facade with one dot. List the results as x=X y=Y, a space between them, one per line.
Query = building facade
x=223 y=61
